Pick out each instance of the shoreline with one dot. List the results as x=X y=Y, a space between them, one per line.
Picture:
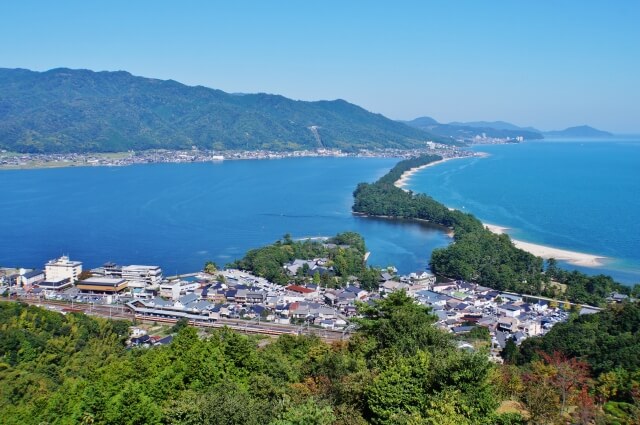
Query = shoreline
x=572 y=257
x=406 y=176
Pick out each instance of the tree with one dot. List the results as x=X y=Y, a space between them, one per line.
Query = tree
x=210 y=267
x=399 y=324
x=180 y=324
x=510 y=353
x=308 y=413
x=552 y=268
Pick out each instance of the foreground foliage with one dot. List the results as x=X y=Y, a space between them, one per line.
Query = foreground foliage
x=75 y=369
x=396 y=369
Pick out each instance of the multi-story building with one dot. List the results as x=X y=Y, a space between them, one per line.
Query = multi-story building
x=62 y=268
x=148 y=277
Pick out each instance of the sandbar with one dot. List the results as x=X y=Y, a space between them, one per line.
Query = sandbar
x=404 y=178
x=546 y=252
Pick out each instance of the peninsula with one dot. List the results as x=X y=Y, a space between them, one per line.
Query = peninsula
x=542 y=251
x=478 y=253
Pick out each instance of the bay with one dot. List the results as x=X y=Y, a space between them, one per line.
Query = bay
x=574 y=194
x=178 y=216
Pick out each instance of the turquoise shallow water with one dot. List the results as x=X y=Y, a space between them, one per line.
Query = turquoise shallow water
x=180 y=215
x=577 y=195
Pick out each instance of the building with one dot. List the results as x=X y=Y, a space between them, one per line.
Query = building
x=102 y=285
x=55 y=285
x=28 y=278
x=175 y=289
x=142 y=276
x=62 y=268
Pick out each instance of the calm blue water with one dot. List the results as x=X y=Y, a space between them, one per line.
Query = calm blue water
x=581 y=196
x=180 y=215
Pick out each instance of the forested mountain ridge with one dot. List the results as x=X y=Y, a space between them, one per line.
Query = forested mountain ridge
x=65 y=110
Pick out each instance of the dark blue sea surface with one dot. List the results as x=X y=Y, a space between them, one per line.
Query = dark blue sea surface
x=577 y=195
x=180 y=215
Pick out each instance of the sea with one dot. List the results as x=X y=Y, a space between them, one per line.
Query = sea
x=179 y=216
x=581 y=195
x=577 y=195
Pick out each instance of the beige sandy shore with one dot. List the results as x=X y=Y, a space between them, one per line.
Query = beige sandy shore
x=404 y=178
x=572 y=257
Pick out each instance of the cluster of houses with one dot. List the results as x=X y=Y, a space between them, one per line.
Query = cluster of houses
x=233 y=294
x=460 y=306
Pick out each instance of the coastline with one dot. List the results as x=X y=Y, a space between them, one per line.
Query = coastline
x=406 y=176
x=546 y=252
x=572 y=257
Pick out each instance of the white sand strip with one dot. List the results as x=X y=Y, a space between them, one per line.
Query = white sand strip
x=571 y=257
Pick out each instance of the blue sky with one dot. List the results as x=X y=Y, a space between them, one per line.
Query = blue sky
x=541 y=63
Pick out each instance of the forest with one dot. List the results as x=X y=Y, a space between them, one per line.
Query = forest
x=397 y=368
x=345 y=253
x=476 y=253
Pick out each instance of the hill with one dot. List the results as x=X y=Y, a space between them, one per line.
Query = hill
x=579 y=131
x=466 y=131
x=65 y=110
x=497 y=125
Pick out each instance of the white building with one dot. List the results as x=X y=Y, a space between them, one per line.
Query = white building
x=177 y=288
x=62 y=268
x=142 y=276
x=28 y=278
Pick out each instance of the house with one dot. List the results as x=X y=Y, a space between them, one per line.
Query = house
x=617 y=297
x=28 y=278
x=384 y=276
x=301 y=290
x=391 y=286
x=508 y=324
x=295 y=265
x=509 y=310
x=185 y=301
x=176 y=288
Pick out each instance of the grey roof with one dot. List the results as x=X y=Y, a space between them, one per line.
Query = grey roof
x=33 y=273
x=159 y=302
x=189 y=298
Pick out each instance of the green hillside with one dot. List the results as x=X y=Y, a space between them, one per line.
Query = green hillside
x=64 y=110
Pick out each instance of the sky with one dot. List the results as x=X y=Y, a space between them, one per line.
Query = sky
x=548 y=64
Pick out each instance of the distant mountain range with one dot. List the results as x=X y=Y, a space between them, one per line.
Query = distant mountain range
x=468 y=131
x=64 y=110
x=500 y=129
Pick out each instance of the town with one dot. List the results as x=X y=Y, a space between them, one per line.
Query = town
x=233 y=297
x=12 y=160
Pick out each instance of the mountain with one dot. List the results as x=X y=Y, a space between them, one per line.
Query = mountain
x=65 y=110
x=468 y=132
x=579 y=131
x=498 y=125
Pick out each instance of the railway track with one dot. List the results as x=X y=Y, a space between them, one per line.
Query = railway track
x=252 y=327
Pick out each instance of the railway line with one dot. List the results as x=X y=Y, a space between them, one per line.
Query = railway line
x=239 y=325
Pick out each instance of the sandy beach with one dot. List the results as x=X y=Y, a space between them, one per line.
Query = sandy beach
x=404 y=178
x=571 y=257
